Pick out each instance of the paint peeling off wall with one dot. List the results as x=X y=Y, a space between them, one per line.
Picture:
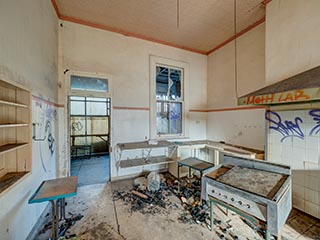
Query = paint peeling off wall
x=294 y=140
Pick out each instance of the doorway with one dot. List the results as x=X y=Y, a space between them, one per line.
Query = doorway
x=89 y=119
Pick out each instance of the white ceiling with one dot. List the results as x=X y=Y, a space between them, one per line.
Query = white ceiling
x=201 y=25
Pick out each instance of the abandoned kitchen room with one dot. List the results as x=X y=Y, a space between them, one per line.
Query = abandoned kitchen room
x=148 y=119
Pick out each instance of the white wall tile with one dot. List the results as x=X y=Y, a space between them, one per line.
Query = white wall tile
x=311 y=182
x=312 y=142
x=298 y=191
x=312 y=155
x=311 y=196
x=303 y=155
x=298 y=203
x=298 y=178
x=311 y=208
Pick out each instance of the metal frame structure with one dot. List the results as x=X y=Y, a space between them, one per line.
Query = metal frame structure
x=75 y=148
x=270 y=211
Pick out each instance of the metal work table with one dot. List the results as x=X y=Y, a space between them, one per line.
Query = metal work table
x=55 y=191
x=194 y=163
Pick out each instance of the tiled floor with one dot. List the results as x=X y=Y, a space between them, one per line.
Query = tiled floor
x=301 y=226
x=91 y=170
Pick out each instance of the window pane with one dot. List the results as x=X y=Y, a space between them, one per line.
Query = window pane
x=89 y=83
x=169 y=118
x=175 y=118
x=77 y=108
x=96 y=99
x=168 y=83
x=97 y=125
x=162 y=82
x=77 y=98
x=77 y=125
x=96 y=108
x=162 y=117
x=175 y=84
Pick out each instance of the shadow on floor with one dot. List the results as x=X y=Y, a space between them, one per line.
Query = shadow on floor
x=302 y=226
x=91 y=170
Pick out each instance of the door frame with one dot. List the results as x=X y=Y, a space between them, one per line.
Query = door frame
x=83 y=93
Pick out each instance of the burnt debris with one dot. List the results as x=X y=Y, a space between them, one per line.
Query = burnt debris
x=156 y=202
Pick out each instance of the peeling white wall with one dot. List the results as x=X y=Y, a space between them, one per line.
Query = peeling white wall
x=126 y=60
x=292 y=46
x=29 y=57
x=240 y=127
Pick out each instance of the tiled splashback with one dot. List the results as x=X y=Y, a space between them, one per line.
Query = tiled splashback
x=294 y=139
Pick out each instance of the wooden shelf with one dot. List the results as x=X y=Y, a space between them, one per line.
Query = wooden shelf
x=11 y=147
x=15 y=139
x=9 y=179
x=13 y=104
x=7 y=125
x=142 y=161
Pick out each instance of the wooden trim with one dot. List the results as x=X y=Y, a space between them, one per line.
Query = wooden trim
x=55 y=6
x=198 y=110
x=126 y=33
x=237 y=108
x=131 y=108
x=229 y=109
x=47 y=101
x=262 y=20
x=265 y=2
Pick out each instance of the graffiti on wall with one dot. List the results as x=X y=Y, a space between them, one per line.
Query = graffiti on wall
x=286 y=128
x=292 y=128
x=45 y=117
x=291 y=96
x=77 y=126
x=315 y=114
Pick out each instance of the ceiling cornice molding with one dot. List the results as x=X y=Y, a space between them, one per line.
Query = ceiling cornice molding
x=265 y=2
x=139 y=36
x=262 y=20
x=55 y=6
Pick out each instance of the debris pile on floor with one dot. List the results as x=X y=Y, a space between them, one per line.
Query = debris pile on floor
x=64 y=226
x=141 y=199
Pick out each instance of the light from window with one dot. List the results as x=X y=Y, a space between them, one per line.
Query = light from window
x=169 y=100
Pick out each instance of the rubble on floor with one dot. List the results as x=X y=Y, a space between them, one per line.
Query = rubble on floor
x=141 y=199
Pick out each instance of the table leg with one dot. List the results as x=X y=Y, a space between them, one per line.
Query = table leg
x=62 y=209
x=211 y=214
x=57 y=219
x=53 y=220
x=267 y=234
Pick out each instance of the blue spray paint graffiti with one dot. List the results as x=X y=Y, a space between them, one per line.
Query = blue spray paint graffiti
x=175 y=116
x=287 y=128
x=315 y=114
